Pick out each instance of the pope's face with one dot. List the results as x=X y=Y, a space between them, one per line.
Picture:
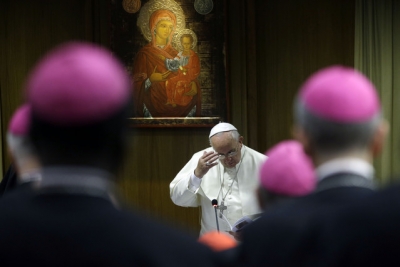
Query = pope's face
x=186 y=43
x=164 y=28
x=224 y=144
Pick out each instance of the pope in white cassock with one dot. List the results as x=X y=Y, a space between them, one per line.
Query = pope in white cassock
x=228 y=172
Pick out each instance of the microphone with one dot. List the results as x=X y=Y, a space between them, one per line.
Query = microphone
x=214 y=202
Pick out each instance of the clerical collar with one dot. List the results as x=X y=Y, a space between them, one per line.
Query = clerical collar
x=345 y=165
x=77 y=180
x=31 y=176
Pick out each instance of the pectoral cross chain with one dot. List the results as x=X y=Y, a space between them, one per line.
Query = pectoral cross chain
x=222 y=207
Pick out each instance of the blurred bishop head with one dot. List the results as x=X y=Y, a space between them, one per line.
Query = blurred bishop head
x=337 y=109
x=217 y=241
x=288 y=172
x=80 y=96
x=340 y=94
x=77 y=84
x=20 y=121
x=18 y=141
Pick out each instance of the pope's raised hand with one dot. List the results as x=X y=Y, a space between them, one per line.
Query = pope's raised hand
x=206 y=162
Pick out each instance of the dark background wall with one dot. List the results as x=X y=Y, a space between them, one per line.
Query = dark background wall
x=272 y=46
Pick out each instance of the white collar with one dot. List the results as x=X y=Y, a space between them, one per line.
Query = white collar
x=349 y=165
x=66 y=179
x=31 y=176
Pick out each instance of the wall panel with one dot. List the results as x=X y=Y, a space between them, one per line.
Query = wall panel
x=272 y=46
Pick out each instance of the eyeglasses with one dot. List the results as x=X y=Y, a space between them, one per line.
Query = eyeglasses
x=230 y=154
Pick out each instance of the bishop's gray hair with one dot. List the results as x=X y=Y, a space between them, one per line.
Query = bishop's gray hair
x=331 y=137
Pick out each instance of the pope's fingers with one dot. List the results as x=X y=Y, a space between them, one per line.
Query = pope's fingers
x=207 y=156
x=212 y=157
x=208 y=160
x=211 y=164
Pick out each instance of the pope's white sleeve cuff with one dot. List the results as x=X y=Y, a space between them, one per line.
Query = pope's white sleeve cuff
x=194 y=182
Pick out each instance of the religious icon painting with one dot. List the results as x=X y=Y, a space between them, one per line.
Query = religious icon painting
x=174 y=52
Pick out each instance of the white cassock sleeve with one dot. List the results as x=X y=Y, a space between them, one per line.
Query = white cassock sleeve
x=183 y=189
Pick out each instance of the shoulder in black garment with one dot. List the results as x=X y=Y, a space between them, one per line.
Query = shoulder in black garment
x=287 y=235
x=57 y=229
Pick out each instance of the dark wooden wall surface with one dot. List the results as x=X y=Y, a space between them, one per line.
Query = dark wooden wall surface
x=272 y=47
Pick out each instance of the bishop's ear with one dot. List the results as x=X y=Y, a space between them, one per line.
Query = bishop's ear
x=300 y=135
x=378 y=140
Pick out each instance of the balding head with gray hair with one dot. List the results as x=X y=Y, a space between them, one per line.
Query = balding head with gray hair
x=328 y=136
